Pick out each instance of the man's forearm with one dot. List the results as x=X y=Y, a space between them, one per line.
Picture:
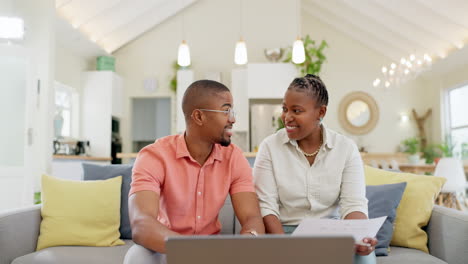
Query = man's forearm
x=253 y=223
x=151 y=234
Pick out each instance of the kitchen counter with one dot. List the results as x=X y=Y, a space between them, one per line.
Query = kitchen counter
x=77 y=157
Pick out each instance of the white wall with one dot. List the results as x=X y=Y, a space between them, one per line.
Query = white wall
x=69 y=67
x=39 y=42
x=212 y=29
x=352 y=66
x=438 y=82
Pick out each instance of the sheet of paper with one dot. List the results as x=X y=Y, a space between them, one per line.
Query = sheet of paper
x=359 y=228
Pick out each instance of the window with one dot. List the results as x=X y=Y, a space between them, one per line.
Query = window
x=458 y=120
x=64 y=110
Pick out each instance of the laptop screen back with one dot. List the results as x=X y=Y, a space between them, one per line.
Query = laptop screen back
x=268 y=249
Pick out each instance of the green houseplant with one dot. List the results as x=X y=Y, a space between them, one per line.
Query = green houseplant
x=412 y=147
x=314 y=56
x=447 y=149
x=173 y=82
x=432 y=153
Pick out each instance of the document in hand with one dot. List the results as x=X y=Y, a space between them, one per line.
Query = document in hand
x=358 y=228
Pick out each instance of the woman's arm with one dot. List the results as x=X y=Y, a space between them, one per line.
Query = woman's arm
x=353 y=187
x=267 y=190
x=273 y=225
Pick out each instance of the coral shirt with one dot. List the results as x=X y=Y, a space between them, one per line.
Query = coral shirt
x=191 y=195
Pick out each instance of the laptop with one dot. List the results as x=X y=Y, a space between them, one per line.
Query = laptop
x=265 y=249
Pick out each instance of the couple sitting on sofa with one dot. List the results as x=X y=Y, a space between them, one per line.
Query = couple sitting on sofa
x=302 y=170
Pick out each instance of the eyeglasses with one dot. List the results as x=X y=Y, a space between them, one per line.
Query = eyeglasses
x=230 y=112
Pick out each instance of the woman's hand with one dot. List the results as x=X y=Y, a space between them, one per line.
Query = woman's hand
x=366 y=247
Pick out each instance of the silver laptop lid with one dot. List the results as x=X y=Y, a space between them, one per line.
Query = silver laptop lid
x=266 y=249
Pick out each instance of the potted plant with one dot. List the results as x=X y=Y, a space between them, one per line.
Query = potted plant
x=314 y=56
x=447 y=149
x=412 y=147
x=432 y=154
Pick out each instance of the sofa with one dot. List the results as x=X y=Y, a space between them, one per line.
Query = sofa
x=19 y=229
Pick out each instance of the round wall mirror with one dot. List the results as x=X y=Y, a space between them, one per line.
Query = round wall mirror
x=358 y=113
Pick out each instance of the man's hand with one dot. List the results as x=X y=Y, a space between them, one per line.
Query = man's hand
x=366 y=247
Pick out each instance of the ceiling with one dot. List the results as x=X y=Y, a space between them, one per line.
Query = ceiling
x=395 y=28
x=110 y=24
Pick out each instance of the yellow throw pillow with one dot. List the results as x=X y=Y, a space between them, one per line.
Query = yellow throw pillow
x=415 y=207
x=80 y=213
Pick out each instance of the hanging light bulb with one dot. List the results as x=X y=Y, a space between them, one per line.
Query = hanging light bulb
x=240 y=55
x=183 y=56
x=376 y=82
x=298 y=53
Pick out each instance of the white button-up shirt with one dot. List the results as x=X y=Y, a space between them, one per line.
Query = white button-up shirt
x=292 y=189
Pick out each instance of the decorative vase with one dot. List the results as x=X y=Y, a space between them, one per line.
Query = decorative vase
x=413 y=159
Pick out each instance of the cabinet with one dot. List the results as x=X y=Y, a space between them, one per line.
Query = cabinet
x=102 y=99
x=269 y=80
x=258 y=81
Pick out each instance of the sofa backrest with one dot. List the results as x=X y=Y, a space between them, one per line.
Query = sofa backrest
x=227 y=217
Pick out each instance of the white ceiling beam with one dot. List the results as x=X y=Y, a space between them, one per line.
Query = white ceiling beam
x=365 y=24
x=382 y=20
x=454 y=11
x=77 y=12
x=424 y=18
x=94 y=10
x=120 y=15
x=342 y=26
x=142 y=24
x=62 y=3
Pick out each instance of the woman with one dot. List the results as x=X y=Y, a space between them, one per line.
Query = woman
x=307 y=170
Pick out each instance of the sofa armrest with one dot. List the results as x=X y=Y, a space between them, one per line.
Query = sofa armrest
x=447 y=231
x=19 y=230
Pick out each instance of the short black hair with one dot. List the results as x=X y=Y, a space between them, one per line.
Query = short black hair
x=197 y=95
x=313 y=86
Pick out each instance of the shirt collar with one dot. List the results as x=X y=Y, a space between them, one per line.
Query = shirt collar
x=328 y=140
x=182 y=150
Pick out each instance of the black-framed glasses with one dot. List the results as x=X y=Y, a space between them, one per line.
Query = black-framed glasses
x=230 y=112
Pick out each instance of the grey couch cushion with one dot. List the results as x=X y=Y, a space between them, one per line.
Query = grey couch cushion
x=402 y=255
x=383 y=201
x=94 y=172
x=76 y=255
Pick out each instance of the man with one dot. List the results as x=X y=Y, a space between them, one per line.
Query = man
x=180 y=182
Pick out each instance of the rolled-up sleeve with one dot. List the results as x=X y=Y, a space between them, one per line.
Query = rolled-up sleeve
x=265 y=183
x=242 y=174
x=353 y=188
x=147 y=173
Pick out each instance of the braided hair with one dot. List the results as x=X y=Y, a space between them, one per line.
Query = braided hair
x=313 y=86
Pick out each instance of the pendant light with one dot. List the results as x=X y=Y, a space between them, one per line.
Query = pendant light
x=11 y=28
x=298 y=53
x=183 y=54
x=240 y=54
